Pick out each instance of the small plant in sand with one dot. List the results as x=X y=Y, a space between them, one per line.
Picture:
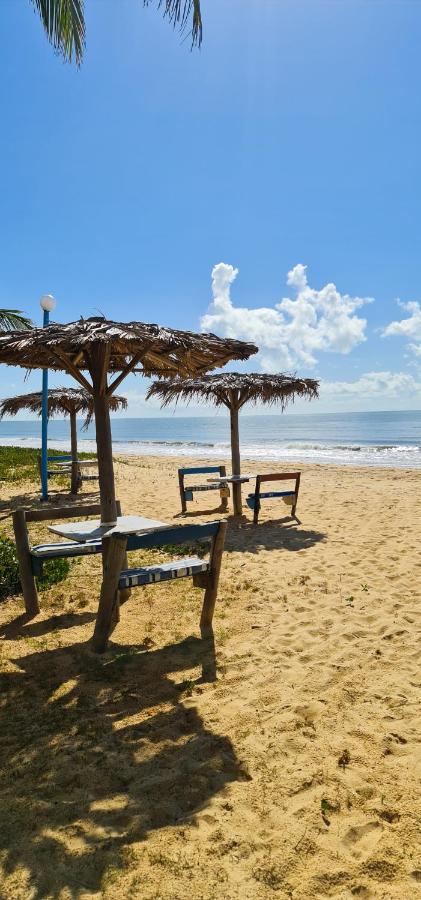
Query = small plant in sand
x=344 y=759
x=364 y=587
x=326 y=807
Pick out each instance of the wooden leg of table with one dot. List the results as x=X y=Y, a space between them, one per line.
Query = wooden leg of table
x=182 y=495
x=27 y=580
x=113 y=554
x=211 y=591
x=124 y=594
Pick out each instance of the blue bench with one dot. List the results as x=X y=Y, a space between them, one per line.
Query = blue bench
x=117 y=578
x=254 y=500
x=32 y=558
x=186 y=491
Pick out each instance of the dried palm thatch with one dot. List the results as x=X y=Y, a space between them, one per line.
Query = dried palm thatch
x=62 y=401
x=99 y=346
x=233 y=390
x=157 y=350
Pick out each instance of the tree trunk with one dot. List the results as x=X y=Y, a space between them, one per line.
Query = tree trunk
x=235 y=460
x=73 y=450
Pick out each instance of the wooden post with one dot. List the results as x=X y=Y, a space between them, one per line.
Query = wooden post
x=235 y=454
x=29 y=588
x=211 y=591
x=114 y=551
x=256 y=501
x=181 y=487
x=74 y=487
x=103 y=436
x=224 y=500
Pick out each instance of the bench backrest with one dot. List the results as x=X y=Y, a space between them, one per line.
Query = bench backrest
x=279 y=476
x=177 y=534
x=64 y=512
x=200 y=470
x=64 y=458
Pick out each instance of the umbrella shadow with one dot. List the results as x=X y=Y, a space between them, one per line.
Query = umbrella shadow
x=98 y=753
x=31 y=500
x=20 y=627
x=277 y=534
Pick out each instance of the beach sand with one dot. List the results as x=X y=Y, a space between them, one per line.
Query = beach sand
x=296 y=774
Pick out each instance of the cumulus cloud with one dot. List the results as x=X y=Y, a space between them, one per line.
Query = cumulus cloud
x=372 y=385
x=295 y=329
x=409 y=328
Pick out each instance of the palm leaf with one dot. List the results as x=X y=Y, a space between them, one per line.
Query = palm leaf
x=13 y=320
x=64 y=24
x=179 y=13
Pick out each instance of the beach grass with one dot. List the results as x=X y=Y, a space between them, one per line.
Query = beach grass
x=19 y=464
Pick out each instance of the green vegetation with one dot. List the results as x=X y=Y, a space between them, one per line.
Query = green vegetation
x=55 y=570
x=64 y=22
x=9 y=569
x=20 y=463
x=14 y=320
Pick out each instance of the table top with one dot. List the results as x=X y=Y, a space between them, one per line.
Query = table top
x=80 y=462
x=92 y=529
x=232 y=479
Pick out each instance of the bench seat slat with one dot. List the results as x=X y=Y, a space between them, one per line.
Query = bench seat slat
x=179 y=568
x=62 y=549
x=251 y=499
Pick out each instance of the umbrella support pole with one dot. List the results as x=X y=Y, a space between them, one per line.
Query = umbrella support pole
x=105 y=458
x=235 y=460
x=75 y=475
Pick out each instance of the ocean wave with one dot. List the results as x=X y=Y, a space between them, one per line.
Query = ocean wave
x=401 y=455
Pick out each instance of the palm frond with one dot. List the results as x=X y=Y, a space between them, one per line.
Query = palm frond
x=14 y=320
x=64 y=24
x=180 y=13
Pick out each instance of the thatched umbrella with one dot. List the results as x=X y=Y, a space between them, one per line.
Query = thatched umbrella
x=63 y=401
x=98 y=346
x=233 y=390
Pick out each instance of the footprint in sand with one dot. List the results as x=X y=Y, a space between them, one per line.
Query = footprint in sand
x=361 y=839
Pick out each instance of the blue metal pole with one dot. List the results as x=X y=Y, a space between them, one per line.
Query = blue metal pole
x=44 y=440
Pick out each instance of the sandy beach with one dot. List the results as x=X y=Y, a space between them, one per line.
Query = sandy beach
x=295 y=774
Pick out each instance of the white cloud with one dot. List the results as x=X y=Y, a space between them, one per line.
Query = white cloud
x=409 y=328
x=295 y=329
x=373 y=385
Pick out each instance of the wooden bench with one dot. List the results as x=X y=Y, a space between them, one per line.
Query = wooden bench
x=31 y=559
x=205 y=573
x=186 y=491
x=67 y=470
x=253 y=500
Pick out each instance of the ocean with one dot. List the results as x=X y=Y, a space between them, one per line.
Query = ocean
x=366 y=439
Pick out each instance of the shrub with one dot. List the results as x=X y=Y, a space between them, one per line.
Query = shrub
x=9 y=569
x=55 y=570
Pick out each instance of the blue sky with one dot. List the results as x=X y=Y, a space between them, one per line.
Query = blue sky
x=291 y=139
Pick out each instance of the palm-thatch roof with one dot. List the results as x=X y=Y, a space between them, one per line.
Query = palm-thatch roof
x=235 y=389
x=61 y=401
x=155 y=349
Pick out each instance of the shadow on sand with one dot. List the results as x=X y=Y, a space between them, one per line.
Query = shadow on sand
x=97 y=752
x=31 y=500
x=277 y=534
